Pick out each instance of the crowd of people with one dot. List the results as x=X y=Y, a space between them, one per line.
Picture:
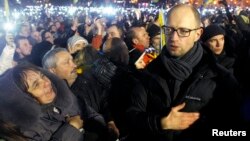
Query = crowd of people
x=97 y=78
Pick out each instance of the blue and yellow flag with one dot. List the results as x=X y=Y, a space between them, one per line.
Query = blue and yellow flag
x=161 y=21
x=75 y=1
x=207 y=2
x=6 y=8
x=155 y=1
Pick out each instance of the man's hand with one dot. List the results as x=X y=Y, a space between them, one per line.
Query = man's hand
x=75 y=24
x=177 y=120
x=75 y=121
x=112 y=126
x=99 y=24
x=10 y=39
x=140 y=64
x=138 y=13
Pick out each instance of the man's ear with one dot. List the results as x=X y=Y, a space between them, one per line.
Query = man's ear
x=18 y=50
x=198 y=34
x=52 y=70
x=135 y=41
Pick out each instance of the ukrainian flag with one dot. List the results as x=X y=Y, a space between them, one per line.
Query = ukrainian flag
x=207 y=2
x=75 y=1
x=6 y=8
x=161 y=21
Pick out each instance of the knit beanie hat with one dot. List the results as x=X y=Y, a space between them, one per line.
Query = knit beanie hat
x=153 y=30
x=75 y=39
x=211 y=31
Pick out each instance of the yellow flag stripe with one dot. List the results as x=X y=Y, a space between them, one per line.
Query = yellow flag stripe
x=161 y=23
x=6 y=8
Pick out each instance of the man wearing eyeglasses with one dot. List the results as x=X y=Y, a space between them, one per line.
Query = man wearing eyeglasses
x=185 y=94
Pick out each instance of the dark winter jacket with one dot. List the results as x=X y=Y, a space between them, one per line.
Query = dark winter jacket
x=119 y=94
x=92 y=87
x=35 y=121
x=93 y=84
x=209 y=89
x=226 y=61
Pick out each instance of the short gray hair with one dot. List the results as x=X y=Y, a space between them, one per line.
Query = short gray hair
x=49 y=59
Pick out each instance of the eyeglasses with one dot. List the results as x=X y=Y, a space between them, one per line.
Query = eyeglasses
x=182 y=32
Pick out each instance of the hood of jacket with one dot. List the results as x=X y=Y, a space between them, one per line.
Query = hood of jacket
x=21 y=109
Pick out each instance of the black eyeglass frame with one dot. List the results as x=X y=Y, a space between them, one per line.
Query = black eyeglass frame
x=178 y=30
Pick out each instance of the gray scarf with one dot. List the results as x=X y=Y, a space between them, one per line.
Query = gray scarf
x=181 y=68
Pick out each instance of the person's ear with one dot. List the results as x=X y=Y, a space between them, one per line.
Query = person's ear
x=18 y=50
x=135 y=41
x=52 y=70
x=198 y=34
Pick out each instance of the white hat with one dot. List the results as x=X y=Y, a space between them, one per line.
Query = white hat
x=75 y=39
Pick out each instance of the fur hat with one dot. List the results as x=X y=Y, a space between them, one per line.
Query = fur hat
x=75 y=39
x=153 y=30
x=211 y=31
